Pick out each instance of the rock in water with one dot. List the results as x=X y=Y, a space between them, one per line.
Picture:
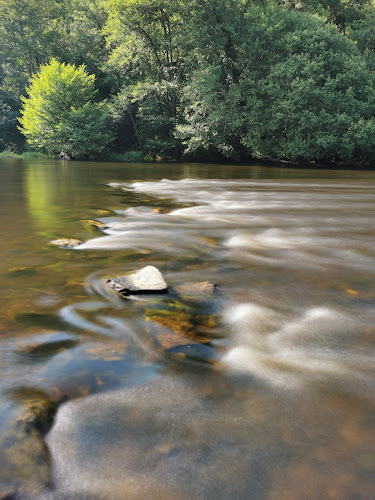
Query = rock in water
x=94 y=224
x=24 y=456
x=196 y=289
x=146 y=280
x=66 y=242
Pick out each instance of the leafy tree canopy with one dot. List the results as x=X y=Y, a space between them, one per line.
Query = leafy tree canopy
x=290 y=88
x=60 y=115
x=288 y=79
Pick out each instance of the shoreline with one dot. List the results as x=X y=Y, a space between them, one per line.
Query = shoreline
x=265 y=162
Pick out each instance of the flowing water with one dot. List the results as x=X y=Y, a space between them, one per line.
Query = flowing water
x=262 y=389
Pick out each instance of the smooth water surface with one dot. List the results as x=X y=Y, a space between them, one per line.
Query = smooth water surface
x=264 y=390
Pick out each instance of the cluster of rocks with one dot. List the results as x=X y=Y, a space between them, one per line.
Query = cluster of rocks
x=149 y=280
x=88 y=224
x=178 y=325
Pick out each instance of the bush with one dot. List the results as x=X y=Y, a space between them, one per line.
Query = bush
x=8 y=153
x=33 y=154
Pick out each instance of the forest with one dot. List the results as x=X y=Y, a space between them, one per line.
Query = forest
x=197 y=80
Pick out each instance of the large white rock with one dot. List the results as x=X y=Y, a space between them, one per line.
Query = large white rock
x=146 y=280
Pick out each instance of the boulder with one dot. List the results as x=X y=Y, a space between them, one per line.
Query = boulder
x=146 y=280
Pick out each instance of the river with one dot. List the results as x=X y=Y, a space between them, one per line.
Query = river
x=261 y=389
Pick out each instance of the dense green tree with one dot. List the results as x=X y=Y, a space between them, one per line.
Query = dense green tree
x=211 y=105
x=9 y=135
x=60 y=115
x=34 y=31
x=362 y=31
x=338 y=12
x=30 y=35
x=230 y=78
x=147 y=57
x=309 y=103
x=303 y=93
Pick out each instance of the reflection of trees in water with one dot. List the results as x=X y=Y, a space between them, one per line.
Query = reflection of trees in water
x=48 y=189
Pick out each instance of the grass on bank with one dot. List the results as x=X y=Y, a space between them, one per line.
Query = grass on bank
x=8 y=153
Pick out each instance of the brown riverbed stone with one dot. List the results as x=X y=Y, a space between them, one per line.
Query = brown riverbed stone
x=196 y=289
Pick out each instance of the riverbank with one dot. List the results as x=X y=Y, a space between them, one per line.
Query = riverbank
x=140 y=157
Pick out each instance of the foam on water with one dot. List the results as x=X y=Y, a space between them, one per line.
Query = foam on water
x=294 y=227
x=305 y=234
x=253 y=221
x=287 y=351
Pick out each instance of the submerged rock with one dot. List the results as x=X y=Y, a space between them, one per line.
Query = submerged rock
x=42 y=347
x=66 y=242
x=185 y=321
x=193 y=351
x=36 y=417
x=196 y=289
x=182 y=329
x=20 y=271
x=146 y=280
x=24 y=454
x=94 y=224
x=177 y=346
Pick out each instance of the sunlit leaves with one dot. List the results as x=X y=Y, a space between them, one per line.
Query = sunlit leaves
x=59 y=114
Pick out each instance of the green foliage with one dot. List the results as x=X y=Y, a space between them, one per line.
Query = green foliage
x=308 y=103
x=362 y=31
x=9 y=135
x=297 y=90
x=337 y=12
x=32 y=154
x=33 y=31
x=143 y=35
x=86 y=131
x=146 y=54
x=8 y=153
x=236 y=79
x=58 y=116
x=127 y=157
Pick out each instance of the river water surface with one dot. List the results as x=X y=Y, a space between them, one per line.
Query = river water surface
x=263 y=389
